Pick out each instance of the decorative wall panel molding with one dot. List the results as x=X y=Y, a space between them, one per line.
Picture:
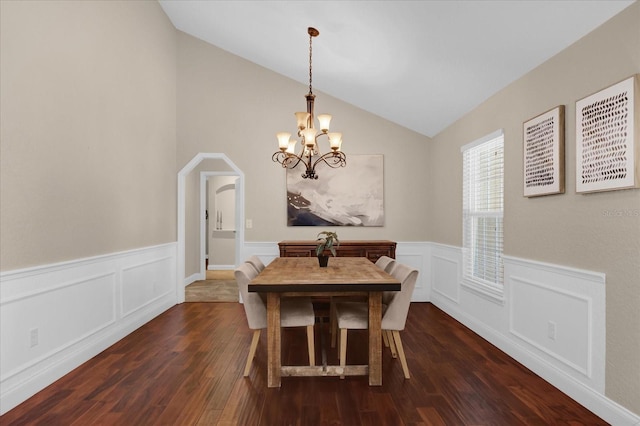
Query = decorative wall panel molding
x=559 y=314
x=566 y=336
x=417 y=255
x=445 y=272
x=146 y=282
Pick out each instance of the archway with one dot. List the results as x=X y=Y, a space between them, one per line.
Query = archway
x=231 y=168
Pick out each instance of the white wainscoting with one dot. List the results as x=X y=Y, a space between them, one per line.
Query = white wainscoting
x=540 y=299
x=55 y=317
x=416 y=255
x=80 y=308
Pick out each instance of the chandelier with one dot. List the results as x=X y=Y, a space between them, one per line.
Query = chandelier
x=309 y=153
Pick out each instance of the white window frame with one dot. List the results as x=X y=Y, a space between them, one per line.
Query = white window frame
x=478 y=263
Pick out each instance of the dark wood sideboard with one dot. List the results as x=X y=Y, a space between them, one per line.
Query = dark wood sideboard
x=371 y=249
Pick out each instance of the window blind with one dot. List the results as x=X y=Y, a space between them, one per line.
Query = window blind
x=483 y=205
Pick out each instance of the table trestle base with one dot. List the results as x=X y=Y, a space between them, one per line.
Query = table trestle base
x=324 y=371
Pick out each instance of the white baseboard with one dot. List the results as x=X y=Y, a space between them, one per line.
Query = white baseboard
x=77 y=309
x=193 y=278
x=221 y=267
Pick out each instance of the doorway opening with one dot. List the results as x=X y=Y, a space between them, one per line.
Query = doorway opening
x=207 y=165
x=218 y=225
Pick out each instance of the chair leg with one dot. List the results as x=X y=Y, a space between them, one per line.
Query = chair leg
x=403 y=360
x=252 y=351
x=333 y=323
x=392 y=346
x=311 y=346
x=385 y=339
x=343 y=349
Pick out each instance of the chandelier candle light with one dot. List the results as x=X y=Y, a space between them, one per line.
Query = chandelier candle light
x=309 y=154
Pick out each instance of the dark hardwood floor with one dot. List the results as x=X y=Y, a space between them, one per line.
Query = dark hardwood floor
x=185 y=367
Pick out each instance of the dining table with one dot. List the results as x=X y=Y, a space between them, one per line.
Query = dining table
x=343 y=277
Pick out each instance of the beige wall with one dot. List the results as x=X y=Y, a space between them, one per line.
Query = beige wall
x=87 y=129
x=570 y=229
x=232 y=106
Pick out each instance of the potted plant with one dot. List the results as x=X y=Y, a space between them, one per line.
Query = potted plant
x=327 y=240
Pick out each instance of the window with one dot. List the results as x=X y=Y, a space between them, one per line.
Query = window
x=483 y=189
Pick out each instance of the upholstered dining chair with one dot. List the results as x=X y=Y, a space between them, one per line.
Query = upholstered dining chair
x=355 y=316
x=256 y=263
x=386 y=263
x=293 y=313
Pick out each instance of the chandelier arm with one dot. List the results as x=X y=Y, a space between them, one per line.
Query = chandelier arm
x=288 y=160
x=333 y=159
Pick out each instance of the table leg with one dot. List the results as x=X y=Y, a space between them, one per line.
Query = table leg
x=274 y=361
x=375 y=338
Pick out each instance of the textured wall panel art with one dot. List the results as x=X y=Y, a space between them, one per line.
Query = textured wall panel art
x=607 y=138
x=543 y=139
x=346 y=196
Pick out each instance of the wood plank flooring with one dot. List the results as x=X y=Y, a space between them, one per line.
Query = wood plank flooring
x=185 y=368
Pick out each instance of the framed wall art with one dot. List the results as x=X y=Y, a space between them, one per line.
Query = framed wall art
x=543 y=153
x=345 y=196
x=607 y=134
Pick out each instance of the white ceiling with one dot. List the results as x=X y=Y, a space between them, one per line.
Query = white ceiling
x=420 y=64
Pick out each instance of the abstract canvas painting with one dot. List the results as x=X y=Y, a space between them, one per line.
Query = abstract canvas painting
x=346 y=196
x=607 y=138
x=543 y=140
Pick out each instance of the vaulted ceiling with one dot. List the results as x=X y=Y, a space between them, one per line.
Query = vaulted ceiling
x=420 y=64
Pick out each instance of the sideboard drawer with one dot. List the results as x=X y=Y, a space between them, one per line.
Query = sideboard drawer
x=300 y=252
x=374 y=254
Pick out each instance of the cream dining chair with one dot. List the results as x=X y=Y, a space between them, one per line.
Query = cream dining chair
x=386 y=263
x=293 y=313
x=355 y=316
x=256 y=263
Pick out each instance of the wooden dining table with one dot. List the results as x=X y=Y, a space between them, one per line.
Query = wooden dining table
x=303 y=277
